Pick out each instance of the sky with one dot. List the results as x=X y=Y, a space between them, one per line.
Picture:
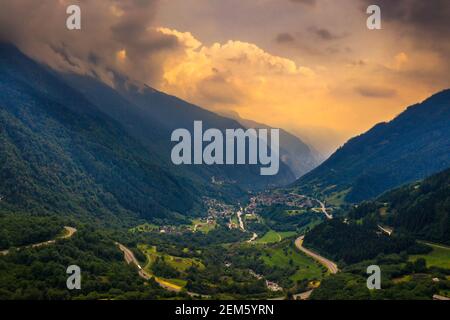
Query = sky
x=309 y=66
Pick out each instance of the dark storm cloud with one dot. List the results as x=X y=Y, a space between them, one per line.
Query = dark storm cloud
x=418 y=18
x=307 y=2
x=432 y=16
x=62 y=52
x=375 y=92
x=108 y=27
x=425 y=23
x=284 y=37
x=324 y=34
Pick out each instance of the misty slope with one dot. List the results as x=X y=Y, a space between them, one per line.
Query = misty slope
x=421 y=208
x=60 y=154
x=300 y=158
x=414 y=145
x=151 y=116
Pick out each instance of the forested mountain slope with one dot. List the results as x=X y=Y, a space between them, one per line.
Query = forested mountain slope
x=151 y=116
x=60 y=154
x=421 y=208
x=414 y=145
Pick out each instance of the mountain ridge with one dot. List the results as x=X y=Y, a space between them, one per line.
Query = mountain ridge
x=60 y=154
x=298 y=155
x=387 y=156
x=156 y=114
x=420 y=208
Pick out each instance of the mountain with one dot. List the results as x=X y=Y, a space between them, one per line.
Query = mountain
x=60 y=154
x=421 y=208
x=414 y=145
x=352 y=242
x=300 y=157
x=151 y=116
x=71 y=144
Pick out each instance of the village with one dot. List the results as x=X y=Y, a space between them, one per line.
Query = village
x=234 y=216
x=271 y=198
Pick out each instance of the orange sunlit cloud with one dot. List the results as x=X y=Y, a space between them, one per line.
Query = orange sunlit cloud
x=315 y=70
x=122 y=55
x=242 y=77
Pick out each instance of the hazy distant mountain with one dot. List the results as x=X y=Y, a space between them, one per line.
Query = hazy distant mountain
x=60 y=154
x=414 y=145
x=300 y=157
x=325 y=140
x=151 y=116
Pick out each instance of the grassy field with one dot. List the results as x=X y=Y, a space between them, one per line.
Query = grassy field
x=274 y=236
x=439 y=257
x=445 y=293
x=337 y=198
x=180 y=264
x=296 y=212
x=203 y=226
x=402 y=279
x=179 y=282
x=250 y=217
x=235 y=220
x=146 y=227
x=307 y=268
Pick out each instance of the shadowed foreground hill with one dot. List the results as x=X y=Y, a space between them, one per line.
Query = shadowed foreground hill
x=421 y=208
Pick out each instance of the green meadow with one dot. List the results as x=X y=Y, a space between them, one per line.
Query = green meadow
x=439 y=257
x=178 y=263
x=282 y=256
x=274 y=236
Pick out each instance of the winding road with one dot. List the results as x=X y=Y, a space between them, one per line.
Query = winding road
x=131 y=259
x=438 y=297
x=303 y=296
x=253 y=238
x=241 y=223
x=386 y=230
x=323 y=208
x=330 y=265
x=69 y=232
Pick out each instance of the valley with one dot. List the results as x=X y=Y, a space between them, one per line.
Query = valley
x=212 y=258
x=276 y=255
x=271 y=250
x=77 y=152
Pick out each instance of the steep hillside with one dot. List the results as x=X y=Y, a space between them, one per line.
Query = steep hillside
x=351 y=243
x=151 y=116
x=414 y=145
x=60 y=154
x=421 y=208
